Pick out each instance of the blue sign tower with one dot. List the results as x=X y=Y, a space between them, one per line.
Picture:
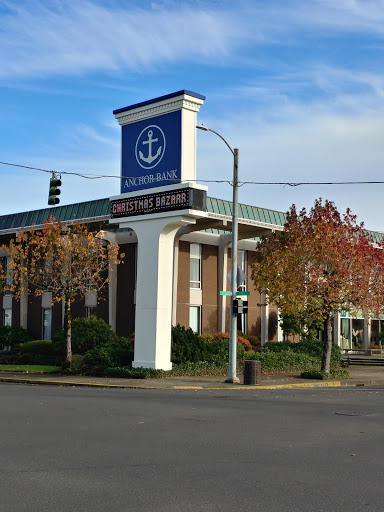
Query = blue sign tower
x=159 y=141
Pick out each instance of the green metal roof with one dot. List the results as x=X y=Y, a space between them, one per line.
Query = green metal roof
x=100 y=208
x=224 y=207
x=87 y=210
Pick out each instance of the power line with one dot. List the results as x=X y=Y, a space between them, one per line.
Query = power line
x=241 y=183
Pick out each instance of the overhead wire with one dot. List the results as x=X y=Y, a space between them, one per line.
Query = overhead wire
x=91 y=176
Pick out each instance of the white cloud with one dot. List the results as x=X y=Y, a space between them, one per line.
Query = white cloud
x=90 y=133
x=71 y=37
x=77 y=37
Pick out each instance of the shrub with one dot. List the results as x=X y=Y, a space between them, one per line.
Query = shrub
x=98 y=356
x=41 y=347
x=285 y=361
x=109 y=354
x=133 y=373
x=313 y=348
x=199 y=368
x=207 y=337
x=255 y=342
x=339 y=373
x=188 y=347
x=240 y=339
x=76 y=365
x=13 y=335
x=273 y=346
x=37 y=352
x=321 y=375
x=87 y=333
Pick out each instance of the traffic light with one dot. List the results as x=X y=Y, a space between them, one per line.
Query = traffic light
x=237 y=306
x=240 y=306
x=54 y=190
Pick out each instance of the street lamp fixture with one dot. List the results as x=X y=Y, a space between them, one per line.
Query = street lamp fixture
x=233 y=317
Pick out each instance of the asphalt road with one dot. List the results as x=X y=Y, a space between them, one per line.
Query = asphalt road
x=114 y=450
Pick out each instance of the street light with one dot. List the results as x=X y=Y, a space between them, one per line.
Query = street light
x=233 y=318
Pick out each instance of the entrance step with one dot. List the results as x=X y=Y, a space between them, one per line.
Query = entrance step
x=364 y=361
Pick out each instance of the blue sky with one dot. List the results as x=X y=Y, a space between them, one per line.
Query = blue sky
x=297 y=86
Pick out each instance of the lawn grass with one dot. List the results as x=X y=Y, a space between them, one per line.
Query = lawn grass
x=29 y=368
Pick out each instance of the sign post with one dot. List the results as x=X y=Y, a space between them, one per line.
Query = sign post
x=159 y=194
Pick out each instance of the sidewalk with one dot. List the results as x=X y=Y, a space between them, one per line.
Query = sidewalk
x=359 y=376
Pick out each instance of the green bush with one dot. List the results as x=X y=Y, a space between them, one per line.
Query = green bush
x=76 y=365
x=13 y=335
x=199 y=368
x=313 y=348
x=116 y=353
x=321 y=375
x=188 y=347
x=87 y=333
x=339 y=373
x=281 y=346
x=133 y=373
x=285 y=361
x=40 y=347
x=38 y=352
x=98 y=356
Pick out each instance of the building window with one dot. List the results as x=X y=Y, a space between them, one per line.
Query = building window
x=7 y=317
x=195 y=319
x=242 y=286
x=47 y=323
x=195 y=266
x=242 y=264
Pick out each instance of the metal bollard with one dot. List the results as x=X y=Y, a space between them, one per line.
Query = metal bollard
x=252 y=372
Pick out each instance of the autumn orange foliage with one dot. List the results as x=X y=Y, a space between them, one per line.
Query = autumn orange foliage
x=322 y=263
x=66 y=259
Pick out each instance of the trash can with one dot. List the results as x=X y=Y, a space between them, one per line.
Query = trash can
x=252 y=372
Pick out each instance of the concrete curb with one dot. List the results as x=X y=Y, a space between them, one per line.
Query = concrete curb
x=323 y=384
x=79 y=384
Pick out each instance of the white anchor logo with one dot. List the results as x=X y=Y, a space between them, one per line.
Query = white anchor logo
x=154 y=135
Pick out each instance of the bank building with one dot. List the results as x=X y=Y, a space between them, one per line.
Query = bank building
x=177 y=242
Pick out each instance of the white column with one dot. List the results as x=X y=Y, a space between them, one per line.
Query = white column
x=264 y=318
x=24 y=304
x=112 y=296
x=336 y=329
x=155 y=259
x=367 y=332
x=280 y=333
x=24 y=310
x=175 y=279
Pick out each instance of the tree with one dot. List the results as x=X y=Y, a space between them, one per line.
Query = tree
x=65 y=259
x=320 y=264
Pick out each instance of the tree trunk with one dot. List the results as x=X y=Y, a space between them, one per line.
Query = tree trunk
x=326 y=360
x=67 y=331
